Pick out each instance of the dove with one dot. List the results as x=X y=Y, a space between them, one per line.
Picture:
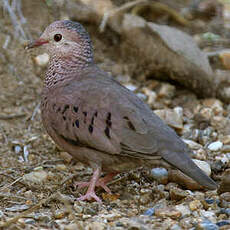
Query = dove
x=97 y=120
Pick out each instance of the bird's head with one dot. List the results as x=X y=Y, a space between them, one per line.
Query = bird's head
x=65 y=39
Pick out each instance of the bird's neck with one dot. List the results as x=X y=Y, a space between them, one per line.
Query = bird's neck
x=61 y=69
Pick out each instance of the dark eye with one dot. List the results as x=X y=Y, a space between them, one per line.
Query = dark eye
x=57 y=37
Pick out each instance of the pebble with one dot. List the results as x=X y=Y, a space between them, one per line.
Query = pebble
x=96 y=226
x=192 y=144
x=215 y=146
x=210 y=215
x=223 y=222
x=168 y=212
x=131 y=87
x=184 y=209
x=172 y=117
x=73 y=226
x=17 y=208
x=203 y=165
x=36 y=177
x=177 y=194
x=149 y=212
x=225 y=182
x=215 y=104
x=166 y=90
x=42 y=59
x=206 y=225
x=225 y=139
x=195 y=204
x=160 y=175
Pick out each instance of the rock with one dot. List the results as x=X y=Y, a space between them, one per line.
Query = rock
x=210 y=215
x=225 y=182
x=168 y=212
x=177 y=194
x=160 y=174
x=225 y=139
x=73 y=226
x=149 y=212
x=17 y=208
x=131 y=87
x=173 y=117
x=192 y=144
x=166 y=90
x=42 y=59
x=226 y=148
x=215 y=146
x=225 y=196
x=195 y=204
x=96 y=226
x=204 y=166
x=206 y=225
x=183 y=209
x=37 y=177
x=150 y=94
x=215 y=104
x=223 y=223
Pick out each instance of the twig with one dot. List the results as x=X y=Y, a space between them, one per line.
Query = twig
x=12 y=116
x=28 y=211
x=111 y=13
x=10 y=195
x=36 y=109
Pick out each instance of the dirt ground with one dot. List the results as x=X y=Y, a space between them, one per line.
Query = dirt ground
x=36 y=178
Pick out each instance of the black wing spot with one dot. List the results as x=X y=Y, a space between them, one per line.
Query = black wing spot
x=108 y=119
x=75 y=108
x=54 y=106
x=90 y=128
x=130 y=124
x=64 y=118
x=92 y=120
x=107 y=132
x=77 y=123
x=66 y=107
x=85 y=114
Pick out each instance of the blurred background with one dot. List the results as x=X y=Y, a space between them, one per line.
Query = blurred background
x=175 y=55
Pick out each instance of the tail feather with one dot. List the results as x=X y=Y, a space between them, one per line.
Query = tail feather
x=184 y=163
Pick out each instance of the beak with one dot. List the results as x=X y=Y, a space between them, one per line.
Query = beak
x=36 y=43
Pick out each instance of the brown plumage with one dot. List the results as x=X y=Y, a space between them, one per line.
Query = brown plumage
x=97 y=120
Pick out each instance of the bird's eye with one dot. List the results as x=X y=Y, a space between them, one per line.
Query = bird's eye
x=57 y=37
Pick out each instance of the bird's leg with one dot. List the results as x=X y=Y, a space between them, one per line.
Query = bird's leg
x=90 y=194
x=100 y=183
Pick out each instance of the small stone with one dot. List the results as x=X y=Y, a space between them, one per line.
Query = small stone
x=210 y=215
x=195 y=204
x=215 y=104
x=225 y=182
x=29 y=221
x=168 y=212
x=150 y=94
x=166 y=90
x=36 y=177
x=192 y=144
x=59 y=214
x=223 y=223
x=175 y=227
x=226 y=148
x=61 y=167
x=215 y=146
x=131 y=87
x=206 y=225
x=204 y=166
x=225 y=139
x=42 y=59
x=17 y=208
x=177 y=194
x=149 y=212
x=73 y=226
x=171 y=117
x=225 y=196
x=160 y=175
x=66 y=157
x=183 y=209
x=96 y=226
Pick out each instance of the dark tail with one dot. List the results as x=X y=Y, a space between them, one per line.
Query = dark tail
x=183 y=162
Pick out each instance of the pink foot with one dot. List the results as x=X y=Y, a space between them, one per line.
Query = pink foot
x=100 y=182
x=95 y=182
x=90 y=196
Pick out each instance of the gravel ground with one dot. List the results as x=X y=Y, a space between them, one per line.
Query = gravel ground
x=37 y=179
